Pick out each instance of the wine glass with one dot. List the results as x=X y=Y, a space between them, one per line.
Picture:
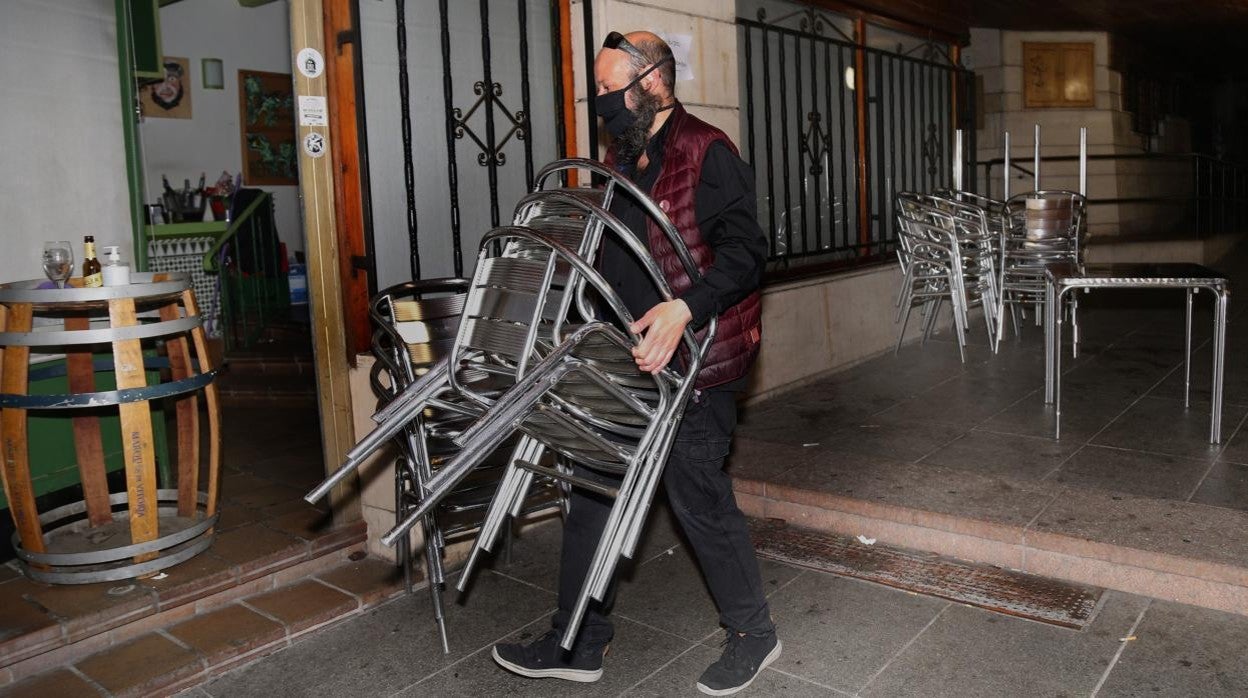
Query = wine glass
x=58 y=261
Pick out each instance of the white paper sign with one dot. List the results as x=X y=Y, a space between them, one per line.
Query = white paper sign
x=310 y=62
x=680 y=45
x=313 y=111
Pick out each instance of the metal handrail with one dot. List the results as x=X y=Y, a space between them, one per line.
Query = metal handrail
x=210 y=257
x=1218 y=186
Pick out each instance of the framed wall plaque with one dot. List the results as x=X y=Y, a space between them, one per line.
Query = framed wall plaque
x=1059 y=75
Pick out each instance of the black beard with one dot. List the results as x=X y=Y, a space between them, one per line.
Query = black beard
x=632 y=143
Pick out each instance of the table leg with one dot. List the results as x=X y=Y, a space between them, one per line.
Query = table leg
x=1219 y=361
x=1048 y=342
x=1187 y=353
x=1057 y=365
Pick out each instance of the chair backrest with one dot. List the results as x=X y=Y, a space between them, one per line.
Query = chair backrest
x=992 y=207
x=1047 y=215
x=925 y=231
x=414 y=326
x=534 y=278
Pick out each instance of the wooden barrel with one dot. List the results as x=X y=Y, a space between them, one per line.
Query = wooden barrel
x=152 y=327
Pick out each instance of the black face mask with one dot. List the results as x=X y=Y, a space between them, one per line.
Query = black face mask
x=616 y=116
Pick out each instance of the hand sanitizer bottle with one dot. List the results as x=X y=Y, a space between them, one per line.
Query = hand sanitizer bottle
x=116 y=272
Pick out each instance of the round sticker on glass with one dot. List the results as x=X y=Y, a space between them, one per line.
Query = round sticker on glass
x=314 y=145
x=310 y=63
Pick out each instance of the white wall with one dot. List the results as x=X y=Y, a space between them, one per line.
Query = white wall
x=996 y=56
x=246 y=39
x=62 y=162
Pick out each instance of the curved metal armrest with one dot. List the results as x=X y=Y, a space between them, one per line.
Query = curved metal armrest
x=628 y=239
x=591 y=275
x=647 y=204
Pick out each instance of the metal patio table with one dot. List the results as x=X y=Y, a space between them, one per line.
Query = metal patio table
x=1062 y=277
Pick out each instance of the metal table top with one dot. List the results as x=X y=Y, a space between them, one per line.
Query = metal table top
x=1124 y=275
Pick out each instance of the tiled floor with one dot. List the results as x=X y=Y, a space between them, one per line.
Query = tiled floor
x=1124 y=426
x=264 y=526
x=920 y=429
x=841 y=637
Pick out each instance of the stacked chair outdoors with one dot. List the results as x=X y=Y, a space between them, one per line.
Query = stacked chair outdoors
x=1041 y=227
x=415 y=325
x=947 y=251
x=550 y=337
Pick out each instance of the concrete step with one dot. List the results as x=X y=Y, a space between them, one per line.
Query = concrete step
x=1167 y=549
x=181 y=648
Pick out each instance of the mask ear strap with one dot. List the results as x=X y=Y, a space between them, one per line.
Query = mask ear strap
x=647 y=71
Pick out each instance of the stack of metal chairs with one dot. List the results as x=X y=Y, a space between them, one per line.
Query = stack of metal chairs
x=947 y=250
x=542 y=356
x=415 y=324
x=973 y=251
x=1041 y=227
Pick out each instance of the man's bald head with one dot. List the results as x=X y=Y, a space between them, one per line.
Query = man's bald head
x=655 y=51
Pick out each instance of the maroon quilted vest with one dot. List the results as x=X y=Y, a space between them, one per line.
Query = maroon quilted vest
x=740 y=327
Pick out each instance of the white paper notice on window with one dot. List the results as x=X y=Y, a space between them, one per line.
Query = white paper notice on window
x=681 y=45
x=312 y=111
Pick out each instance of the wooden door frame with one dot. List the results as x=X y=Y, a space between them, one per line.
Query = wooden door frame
x=333 y=191
x=317 y=188
x=356 y=265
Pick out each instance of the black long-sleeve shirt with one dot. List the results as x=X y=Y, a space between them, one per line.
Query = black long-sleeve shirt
x=726 y=211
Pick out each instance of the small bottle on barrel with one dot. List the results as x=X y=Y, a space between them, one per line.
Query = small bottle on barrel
x=91 y=274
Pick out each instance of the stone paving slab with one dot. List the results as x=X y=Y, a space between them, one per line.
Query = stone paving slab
x=1153 y=475
x=990 y=655
x=142 y=667
x=839 y=633
x=669 y=594
x=389 y=647
x=636 y=652
x=59 y=682
x=1183 y=650
x=922 y=494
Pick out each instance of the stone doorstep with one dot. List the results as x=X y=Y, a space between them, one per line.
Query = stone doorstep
x=1200 y=583
x=191 y=651
x=36 y=651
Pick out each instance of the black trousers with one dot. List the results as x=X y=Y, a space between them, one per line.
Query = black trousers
x=700 y=493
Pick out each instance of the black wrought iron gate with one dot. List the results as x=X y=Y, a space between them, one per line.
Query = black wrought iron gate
x=827 y=167
x=459 y=119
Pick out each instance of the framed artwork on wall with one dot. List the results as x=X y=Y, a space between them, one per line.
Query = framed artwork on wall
x=170 y=97
x=267 y=123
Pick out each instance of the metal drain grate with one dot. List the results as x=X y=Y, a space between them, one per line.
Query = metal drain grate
x=985 y=586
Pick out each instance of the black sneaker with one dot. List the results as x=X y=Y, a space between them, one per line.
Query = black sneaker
x=743 y=658
x=545 y=659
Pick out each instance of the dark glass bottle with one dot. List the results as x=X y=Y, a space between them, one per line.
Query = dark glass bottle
x=91 y=271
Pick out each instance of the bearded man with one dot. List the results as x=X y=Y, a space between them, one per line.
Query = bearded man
x=692 y=170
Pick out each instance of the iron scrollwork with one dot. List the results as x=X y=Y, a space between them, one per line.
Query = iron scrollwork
x=932 y=150
x=814 y=142
x=809 y=21
x=490 y=152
